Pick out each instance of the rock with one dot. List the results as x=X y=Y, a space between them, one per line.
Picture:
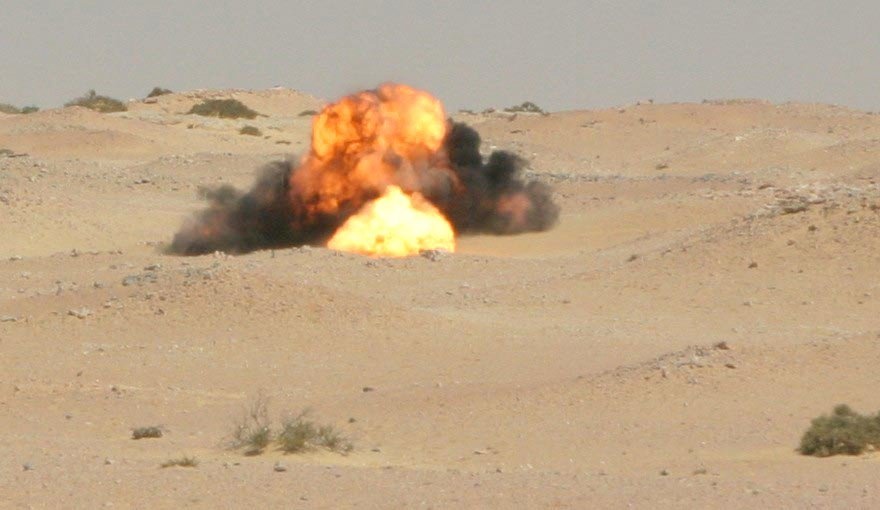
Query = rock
x=153 y=267
x=279 y=467
x=433 y=255
x=8 y=318
x=130 y=280
x=367 y=389
x=27 y=466
x=80 y=313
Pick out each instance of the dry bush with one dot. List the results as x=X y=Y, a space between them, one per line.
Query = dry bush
x=844 y=432
x=223 y=108
x=181 y=462
x=93 y=101
x=158 y=91
x=146 y=432
x=250 y=131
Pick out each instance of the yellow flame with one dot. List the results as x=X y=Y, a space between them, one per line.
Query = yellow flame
x=395 y=225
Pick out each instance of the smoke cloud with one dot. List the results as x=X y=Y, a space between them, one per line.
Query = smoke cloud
x=476 y=194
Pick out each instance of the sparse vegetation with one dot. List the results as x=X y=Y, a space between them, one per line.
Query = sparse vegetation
x=12 y=109
x=158 y=91
x=146 y=433
x=93 y=101
x=298 y=434
x=181 y=462
x=308 y=113
x=223 y=108
x=844 y=432
x=253 y=432
x=250 y=130
x=526 y=107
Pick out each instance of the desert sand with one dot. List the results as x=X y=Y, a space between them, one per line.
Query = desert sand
x=713 y=284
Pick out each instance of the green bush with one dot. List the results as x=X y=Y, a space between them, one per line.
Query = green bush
x=223 y=108
x=526 y=107
x=30 y=109
x=250 y=130
x=158 y=91
x=844 y=432
x=98 y=103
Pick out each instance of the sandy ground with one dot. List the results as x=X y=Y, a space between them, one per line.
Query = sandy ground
x=575 y=368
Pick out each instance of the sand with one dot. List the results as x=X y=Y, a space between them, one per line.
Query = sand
x=575 y=368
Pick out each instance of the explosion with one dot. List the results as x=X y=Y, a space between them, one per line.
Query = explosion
x=386 y=175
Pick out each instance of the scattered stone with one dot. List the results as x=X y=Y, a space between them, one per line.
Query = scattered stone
x=14 y=258
x=434 y=255
x=663 y=472
x=153 y=267
x=753 y=265
x=130 y=280
x=8 y=318
x=279 y=467
x=27 y=466
x=701 y=471
x=80 y=313
x=722 y=346
x=108 y=461
x=98 y=285
x=730 y=365
x=367 y=389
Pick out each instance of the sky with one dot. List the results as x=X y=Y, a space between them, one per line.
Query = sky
x=559 y=54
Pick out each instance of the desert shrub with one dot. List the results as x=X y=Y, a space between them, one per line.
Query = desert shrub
x=250 y=130
x=93 y=101
x=30 y=109
x=158 y=91
x=844 y=432
x=8 y=108
x=308 y=113
x=223 y=108
x=146 y=432
x=526 y=107
x=300 y=434
x=181 y=462
x=253 y=432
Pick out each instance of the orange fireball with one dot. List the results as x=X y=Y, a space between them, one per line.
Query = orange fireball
x=395 y=225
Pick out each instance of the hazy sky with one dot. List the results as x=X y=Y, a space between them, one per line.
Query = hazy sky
x=471 y=54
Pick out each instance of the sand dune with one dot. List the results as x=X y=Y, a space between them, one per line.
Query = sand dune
x=572 y=368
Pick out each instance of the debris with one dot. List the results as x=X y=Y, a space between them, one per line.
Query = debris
x=80 y=313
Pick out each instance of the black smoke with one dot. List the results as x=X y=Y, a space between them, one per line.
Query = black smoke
x=476 y=194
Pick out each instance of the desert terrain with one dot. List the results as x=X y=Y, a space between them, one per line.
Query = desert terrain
x=713 y=284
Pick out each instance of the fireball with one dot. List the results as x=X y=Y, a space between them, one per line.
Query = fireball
x=395 y=225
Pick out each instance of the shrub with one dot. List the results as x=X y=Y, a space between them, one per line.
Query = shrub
x=526 y=107
x=30 y=109
x=300 y=434
x=181 y=462
x=250 y=130
x=308 y=113
x=253 y=431
x=98 y=103
x=158 y=91
x=843 y=432
x=223 y=108
x=146 y=432
x=8 y=108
